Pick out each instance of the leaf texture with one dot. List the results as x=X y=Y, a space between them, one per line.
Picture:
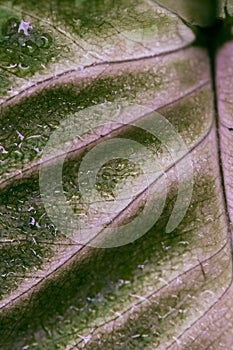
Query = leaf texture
x=163 y=290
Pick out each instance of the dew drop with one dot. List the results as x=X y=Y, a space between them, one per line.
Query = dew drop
x=29 y=48
x=46 y=40
x=11 y=66
x=23 y=67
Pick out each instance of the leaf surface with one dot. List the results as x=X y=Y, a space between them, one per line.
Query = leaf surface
x=63 y=59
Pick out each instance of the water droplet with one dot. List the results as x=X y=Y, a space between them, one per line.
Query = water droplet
x=23 y=67
x=29 y=47
x=11 y=66
x=46 y=40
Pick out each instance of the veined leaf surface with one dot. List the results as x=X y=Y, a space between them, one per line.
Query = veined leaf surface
x=162 y=290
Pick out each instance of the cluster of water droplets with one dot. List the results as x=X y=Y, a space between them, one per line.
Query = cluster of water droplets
x=113 y=172
x=23 y=48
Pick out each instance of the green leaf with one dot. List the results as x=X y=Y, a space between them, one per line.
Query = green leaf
x=200 y=12
x=73 y=38
x=98 y=79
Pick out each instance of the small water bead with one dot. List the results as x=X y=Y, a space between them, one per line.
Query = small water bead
x=46 y=40
x=23 y=67
x=121 y=166
x=29 y=47
x=12 y=65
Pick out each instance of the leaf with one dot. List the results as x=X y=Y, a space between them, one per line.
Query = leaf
x=218 y=320
x=78 y=39
x=95 y=78
x=202 y=13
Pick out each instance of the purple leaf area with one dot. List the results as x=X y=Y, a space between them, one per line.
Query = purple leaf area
x=116 y=203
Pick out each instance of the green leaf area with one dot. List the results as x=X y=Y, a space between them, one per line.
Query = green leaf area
x=143 y=89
